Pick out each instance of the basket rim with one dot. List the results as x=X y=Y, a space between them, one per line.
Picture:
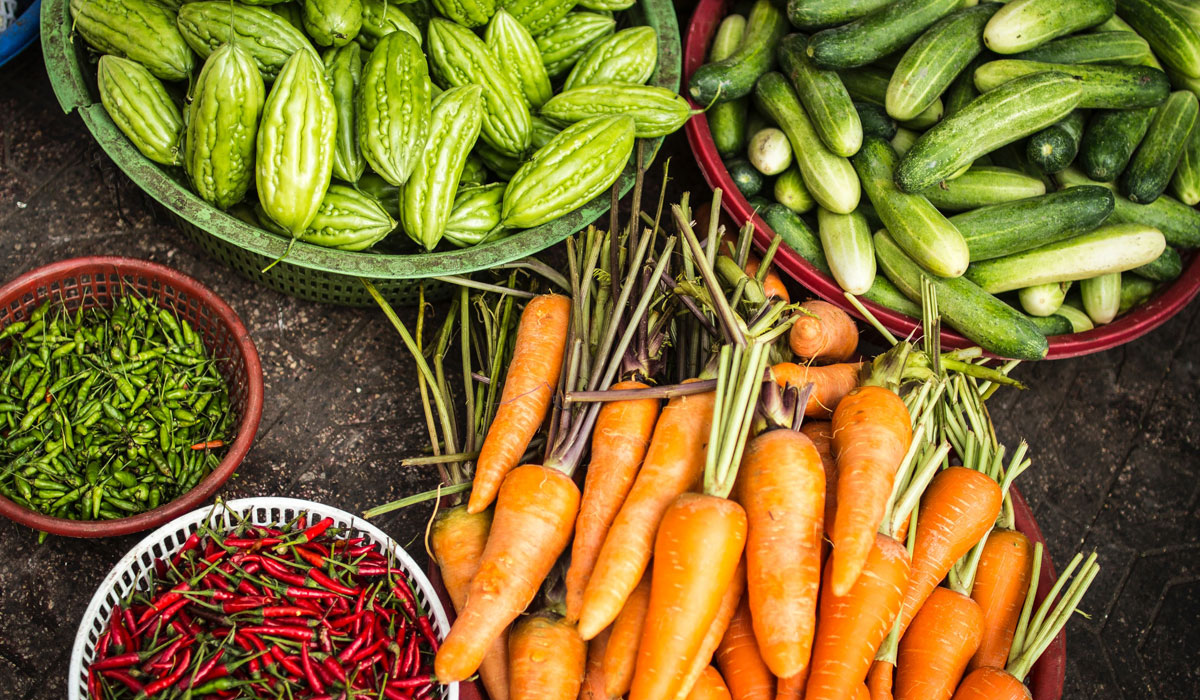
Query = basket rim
x=72 y=89
x=187 y=520
x=248 y=422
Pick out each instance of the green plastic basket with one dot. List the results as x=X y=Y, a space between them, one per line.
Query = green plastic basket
x=309 y=271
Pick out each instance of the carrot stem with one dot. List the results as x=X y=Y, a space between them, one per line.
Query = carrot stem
x=704 y=264
x=487 y=287
x=870 y=318
x=417 y=498
x=1034 y=637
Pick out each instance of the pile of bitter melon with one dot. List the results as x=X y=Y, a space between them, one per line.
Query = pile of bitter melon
x=337 y=122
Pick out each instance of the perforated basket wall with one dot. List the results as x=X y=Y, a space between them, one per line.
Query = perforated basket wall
x=133 y=570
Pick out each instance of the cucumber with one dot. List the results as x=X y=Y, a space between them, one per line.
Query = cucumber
x=878 y=34
x=932 y=63
x=1104 y=87
x=1011 y=227
x=962 y=91
x=1110 y=248
x=1054 y=148
x=1080 y=323
x=791 y=192
x=1155 y=160
x=818 y=14
x=917 y=226
x=756 y=122
x=994 y=325
x=870 y=84
x=727 y=120
x=903 y=141
x=846 y=240
x=1051 y=325
x=1017 y=109
x=734 y=76
x=1024 y=24
x=1179 y=223
x=745 y=176
x=829 y=177
x=1098 y=47
x=1043 y=299
x=1101 y=297
x=1174 y=41
x=981 y=186
x=769 y=151
x=1186 y=9
x=875 y=120
x=1185 y=184
x=1165 y=268
x=1110 y=139
x=1135 y=291
x=758 y=202
x=824 y=97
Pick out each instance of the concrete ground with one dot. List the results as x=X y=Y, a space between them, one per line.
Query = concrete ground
x=1114 y=436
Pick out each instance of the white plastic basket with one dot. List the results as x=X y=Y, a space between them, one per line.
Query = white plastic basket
x=8 y=13
x=134 y=568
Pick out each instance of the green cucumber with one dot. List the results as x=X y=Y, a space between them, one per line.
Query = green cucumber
x=829 y=177
x=1179 y=223
x=878 y=34
x=1024 y=24
x=727 y=120
x=1150 y=171
x=1054 y=148
x=1187 y=9
x=791 y=192
x=1164 y=268
x=818 y=14
x=1110 y=139
x=745 y=176
x=1043 y=299
x=734 y=76
x=1185 y=184
x=982 y=186
x=1098 y=47
x=870 y=84
x=846 y=240
x=824 y=97
x=920 y=229
x=1017 y=109
x=769 y=151
x=1101 y=297
x=875 y=120
x=758 y=202
x=903 y=141
x=1080 y=323
x=1011 y=227
x=1174 y=40
x=1110 y=248
x=1104 y=87
x=1051 y=325
x=932 y=63
x=1135 y=291
x=962 y=91
x=994 y=325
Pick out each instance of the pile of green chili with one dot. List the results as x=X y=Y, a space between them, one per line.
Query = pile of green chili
x=105 y=413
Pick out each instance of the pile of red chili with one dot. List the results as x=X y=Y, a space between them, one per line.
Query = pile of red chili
x=265 y=612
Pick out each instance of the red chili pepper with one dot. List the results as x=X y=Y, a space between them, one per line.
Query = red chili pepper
x=279 y=572
x=188 y=545
x=165 y=601
x=93 y=685
x=396 y=694
x=370 y=569
x=252 y=544
x=246 y=588
x=427 y=630
x=222 y=596
x=415 y=682
x=369 y=661
x=321 y=579
x=309 y=673
x=374 y=647
x=202 y=672
x=102 y=643
x=317 y=529
x=351 y=649
x=171 y=679
x=308 y=593
x=286 y=661
x=244 y=603
x=124 y=678
x=300 y=634
x=119 y=661
x=359 y=550
x=167 y=654
x=115 y=624
x=332 y=667
x=285 y=611
x=346 y=621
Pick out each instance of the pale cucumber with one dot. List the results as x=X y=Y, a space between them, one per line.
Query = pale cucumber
x=824 y=97
x=1185 y=184
x=1024 y=24
x=769 y=151
x=1101 y=297
x=983 y=185
x=932 y=63
x=1043 y=299
x=846 y=240
x=791 y=192
x=1080 y=323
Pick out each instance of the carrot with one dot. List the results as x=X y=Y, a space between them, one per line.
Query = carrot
x=821 y=434
x=737 y=656
x=532 y=379
x=621 y=654
x=696 y=555
x=716 y=631
x=458 y=539
x=851 y=627
x=709 y=686
x=783 y=492
x=1000 y=585
x=792 y=687
x=822 y=331
x=957 y=510
x=535 y=510
x=935 y=650
x=619 y=441
x=862 y=692
x=593 y=674
x=547 y=659
x=772 y=283
x=674 y=463
x=830 y=384
x=988 y=683
x=872 y=430
x=879 y=680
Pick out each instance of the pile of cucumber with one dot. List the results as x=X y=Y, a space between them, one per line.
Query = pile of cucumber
x=1038 y=160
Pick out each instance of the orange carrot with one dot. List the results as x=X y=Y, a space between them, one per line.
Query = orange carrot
x=709 y=686
x=862 y=692
x=673 y=463
x=937 y=646
x=988 y=683
x=851 y=627
x=621 y=655
x=530 y=384
x=783 y=492
x=772 y=283
x=716 y=632
x=958 y=508
x=458 y=539
x=879 y=680
x=871 y=434
x=740 y=662
x=792 y=687
x=821 y=434
x=1001 y=582
x=696 y=555
x=547 y=659
x=535 y=510
x=593 y=674
x=830 y=384
x=619 y=441
x=822 y=331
